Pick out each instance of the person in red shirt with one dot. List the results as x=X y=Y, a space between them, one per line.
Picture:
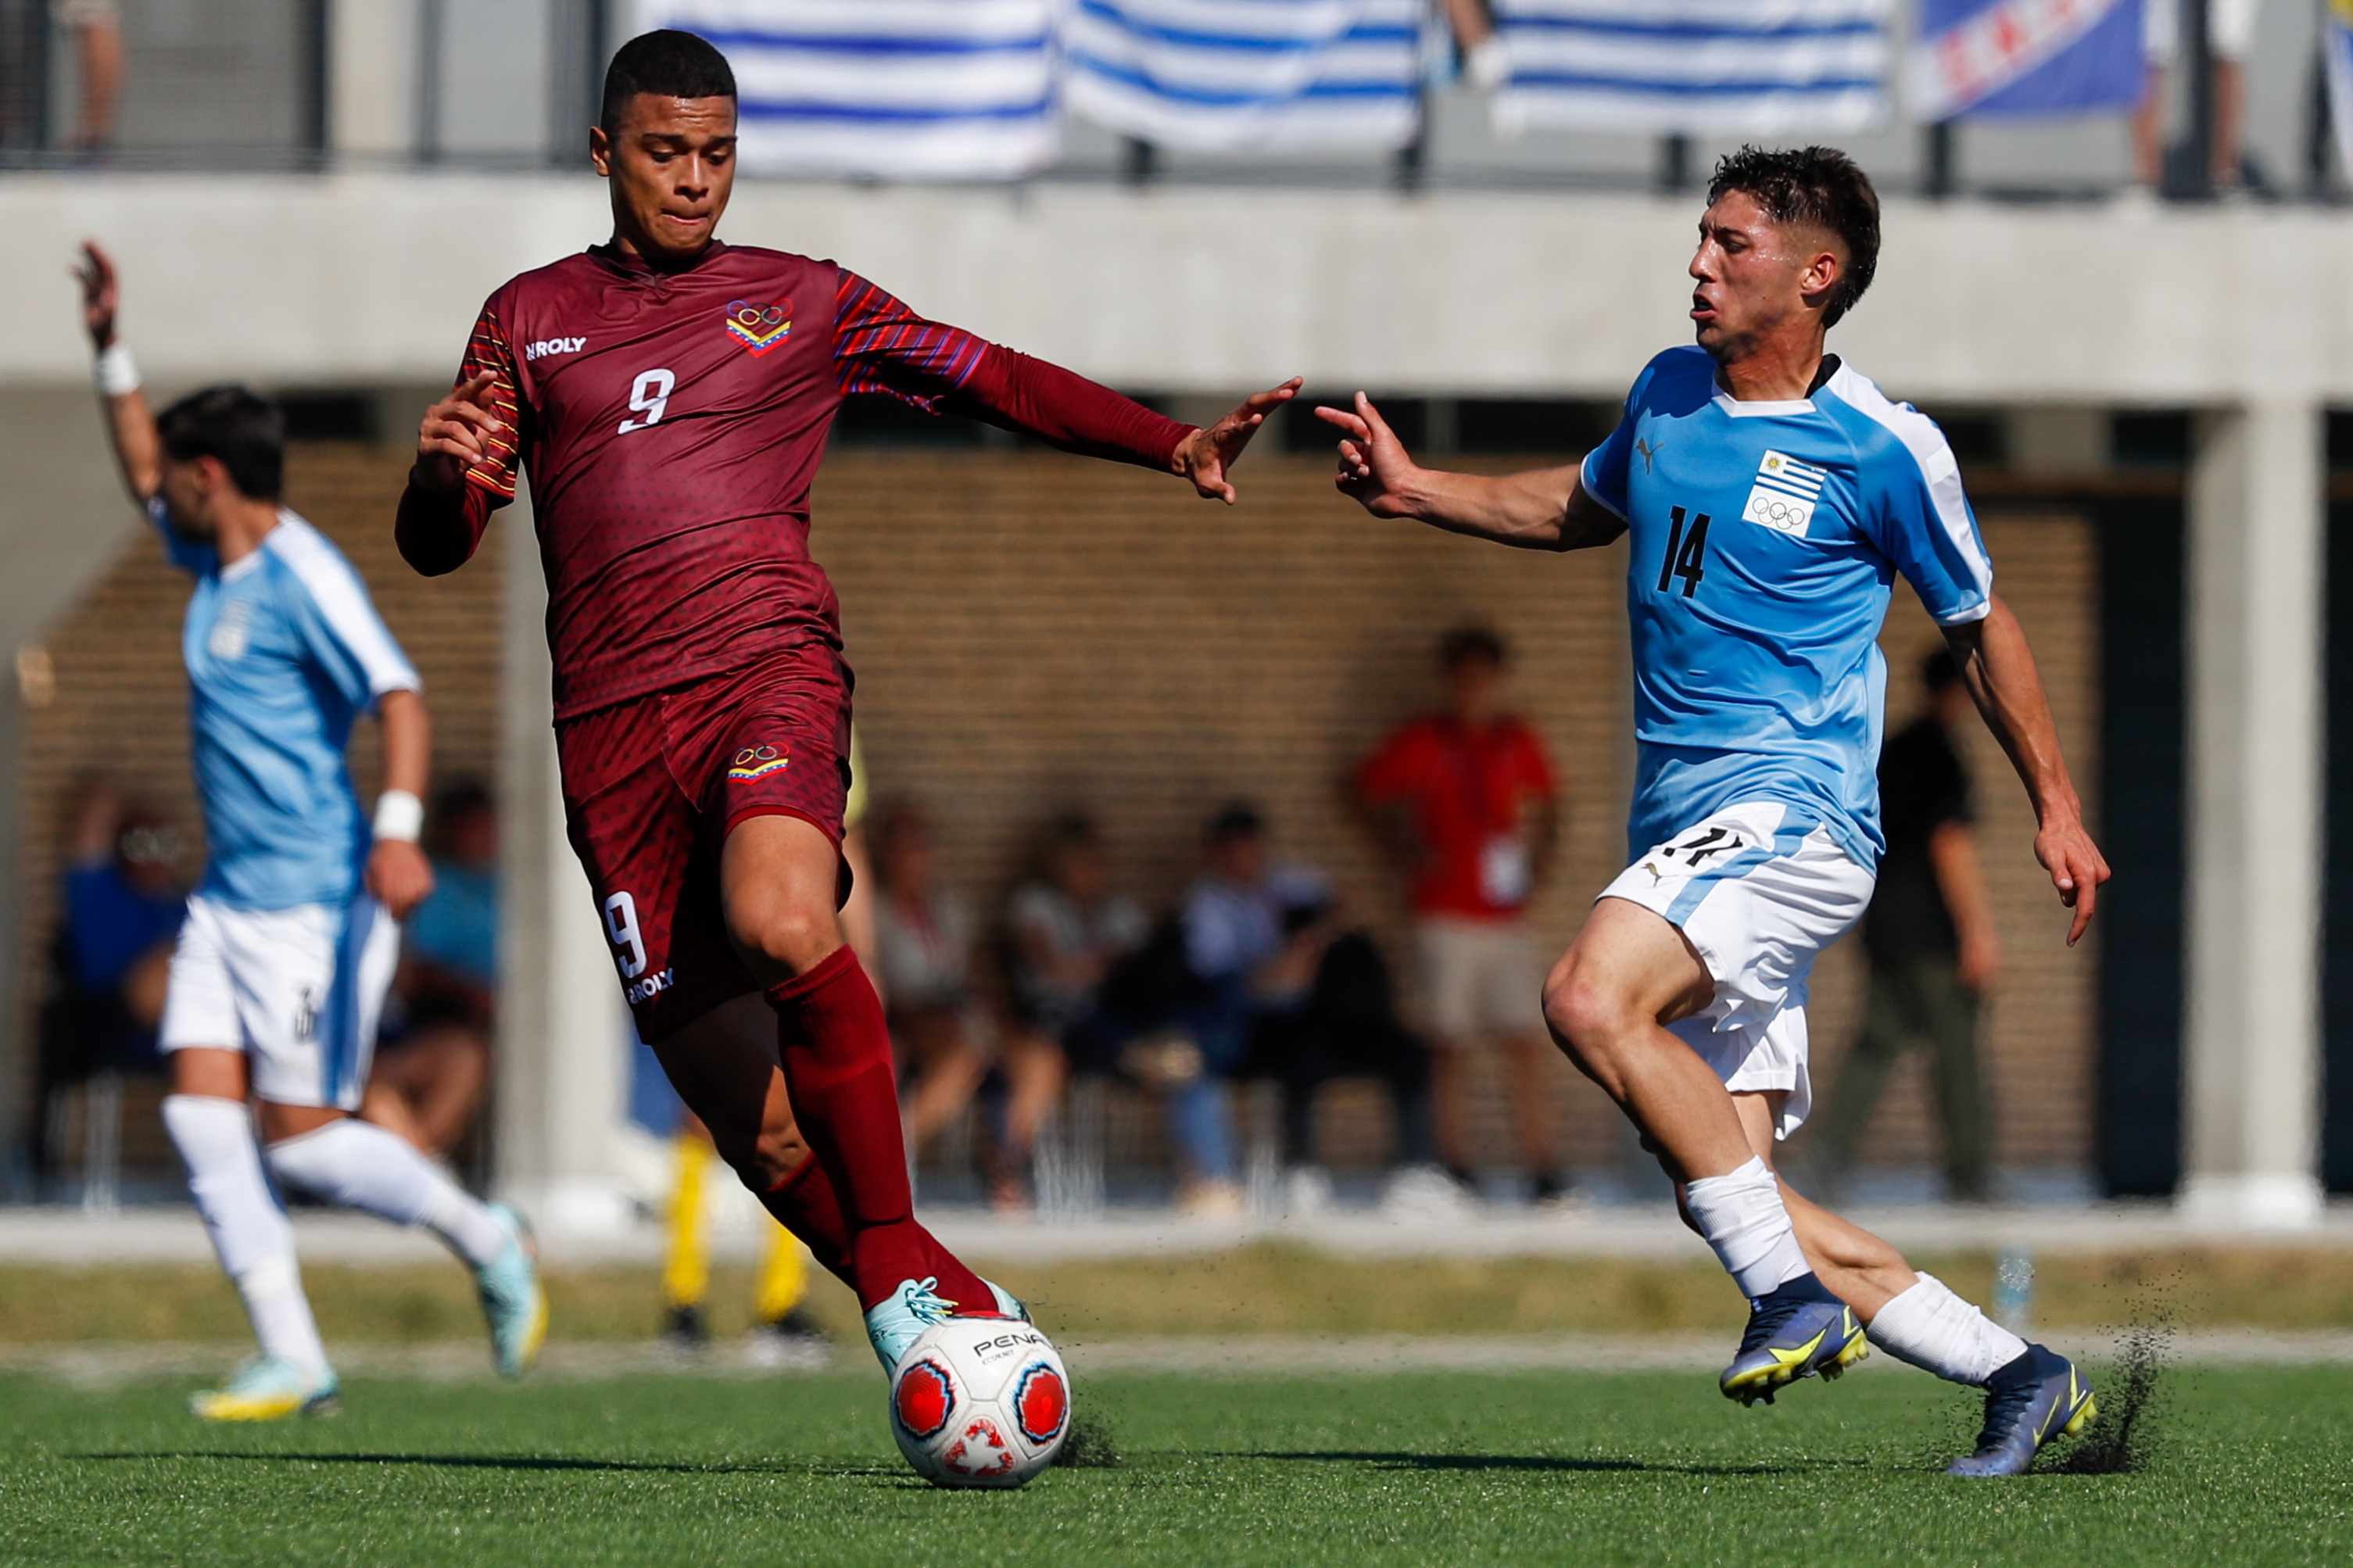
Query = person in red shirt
x=669 y=396
x=1464 y=798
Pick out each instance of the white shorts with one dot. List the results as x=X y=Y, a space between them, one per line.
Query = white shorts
x=1478 y=978
x=297 y=990
x=2229 y=29
x=1758 y=903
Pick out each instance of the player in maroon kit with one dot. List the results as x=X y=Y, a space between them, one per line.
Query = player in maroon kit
x=671 y=396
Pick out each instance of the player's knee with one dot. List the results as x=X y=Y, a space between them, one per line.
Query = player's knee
x=782 y=934
x=1585 y=1017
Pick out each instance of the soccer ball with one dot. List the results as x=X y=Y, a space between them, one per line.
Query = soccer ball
x=980 y=1402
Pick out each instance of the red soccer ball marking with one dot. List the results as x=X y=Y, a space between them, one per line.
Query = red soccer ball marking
x=980 y=1451
x=1042 y=1404
x=925 y=1399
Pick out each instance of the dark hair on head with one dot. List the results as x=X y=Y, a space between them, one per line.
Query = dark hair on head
x=667 y=63
x=1817 y=186
x=235 y=425
x=463 y=795
x=1235 y=819
x=1464 y=644
x=1940 y=671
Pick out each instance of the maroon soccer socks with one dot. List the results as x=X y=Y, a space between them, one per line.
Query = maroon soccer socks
x=837 y=1060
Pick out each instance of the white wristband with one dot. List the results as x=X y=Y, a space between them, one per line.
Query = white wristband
x=399 y=814
x=117 y=373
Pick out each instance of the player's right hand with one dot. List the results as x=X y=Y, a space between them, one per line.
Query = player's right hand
x=455 y=433
x=99 y=292
x=1374 y=466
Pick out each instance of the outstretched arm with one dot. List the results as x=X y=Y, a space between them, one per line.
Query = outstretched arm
x=129 y=422
x=1999 y=669
x=1543 y=509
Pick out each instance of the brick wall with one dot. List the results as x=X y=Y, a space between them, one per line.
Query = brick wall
x=1034 y=634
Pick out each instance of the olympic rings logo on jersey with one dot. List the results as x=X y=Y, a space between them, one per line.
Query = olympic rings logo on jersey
x=758 y=327
x=757 y=762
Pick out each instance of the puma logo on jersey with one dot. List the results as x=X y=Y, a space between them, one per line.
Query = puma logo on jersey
x=1786 y=494
x=1650 y=453
x=546 y=346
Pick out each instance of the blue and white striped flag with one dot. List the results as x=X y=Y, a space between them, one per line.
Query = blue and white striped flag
x=2336 y=53
x=1722 y=66
x=907 y=90
x=1248 y=75
x=2024 y=57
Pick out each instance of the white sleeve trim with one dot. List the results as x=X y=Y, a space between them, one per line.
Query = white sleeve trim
x=343 y=600
x=1940 y=472
x=1586 y=486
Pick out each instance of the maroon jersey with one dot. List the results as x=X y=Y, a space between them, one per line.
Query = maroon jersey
x=671 y=424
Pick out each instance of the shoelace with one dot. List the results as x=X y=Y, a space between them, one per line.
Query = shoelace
x=2004 y=1410
x=930 y=1307
x=1765 y=1322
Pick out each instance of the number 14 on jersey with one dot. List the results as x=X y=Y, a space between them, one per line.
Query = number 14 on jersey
x=1686 y=554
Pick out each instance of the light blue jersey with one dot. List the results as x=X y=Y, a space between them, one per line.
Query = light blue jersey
x=283 y=649
x=1765 y=539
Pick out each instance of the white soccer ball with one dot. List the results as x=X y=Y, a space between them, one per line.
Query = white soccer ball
x=980 y=1402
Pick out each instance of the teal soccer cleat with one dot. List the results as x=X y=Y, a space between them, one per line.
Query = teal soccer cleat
x=269 y=1389
x=1792 y=1336
x=513 y=1301
x=2035 y=1398
x=893 y=1326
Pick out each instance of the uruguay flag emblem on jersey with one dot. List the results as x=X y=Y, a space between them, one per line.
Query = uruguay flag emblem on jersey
x=1786 y=493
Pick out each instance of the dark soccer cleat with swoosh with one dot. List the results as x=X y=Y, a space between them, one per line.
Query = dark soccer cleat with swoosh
x=2035 y=1398
x=1796 y=1332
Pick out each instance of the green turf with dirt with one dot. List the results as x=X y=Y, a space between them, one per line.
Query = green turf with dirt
x=2247 y=1466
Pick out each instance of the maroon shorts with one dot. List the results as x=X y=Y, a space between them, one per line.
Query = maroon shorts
x=651 y=788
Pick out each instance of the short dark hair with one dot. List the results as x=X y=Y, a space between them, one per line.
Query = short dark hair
x=1235 y=819
x=1464 y=644
x=238 y=425
x=667 y=63
x=1820 y=186
x=1940 y=671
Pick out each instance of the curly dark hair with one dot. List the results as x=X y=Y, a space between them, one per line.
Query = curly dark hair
x=1817 y=186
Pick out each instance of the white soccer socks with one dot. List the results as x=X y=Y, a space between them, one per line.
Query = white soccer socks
x=1742 y=1216
x=255 y=1244
x=360 y=1166
x=1937 y=1332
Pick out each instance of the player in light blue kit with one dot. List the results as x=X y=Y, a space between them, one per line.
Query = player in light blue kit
x=290 y=942
x=1770 y=496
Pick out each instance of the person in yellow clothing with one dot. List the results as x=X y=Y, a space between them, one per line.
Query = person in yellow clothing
x=782 y=1325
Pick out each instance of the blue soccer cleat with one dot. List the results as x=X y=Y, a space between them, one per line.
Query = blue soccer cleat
x=513 y=1301
x=1789 y=1338
x=893 y=1326
x=269 y=1389
x=2035 y=1398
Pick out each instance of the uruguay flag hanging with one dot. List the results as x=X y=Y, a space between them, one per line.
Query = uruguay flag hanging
x=894 y=90
x=2336 y=50
x=1732 y=68
x=2023 y=58
x=1248 y=75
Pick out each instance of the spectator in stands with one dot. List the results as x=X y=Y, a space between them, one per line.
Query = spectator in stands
x=1065 y=929
x=121 y=906
x=1929 y=937
x=946 y=1040
x=432 y=1070
x=95 y=28
x=1464 y=799
x=2230 y=35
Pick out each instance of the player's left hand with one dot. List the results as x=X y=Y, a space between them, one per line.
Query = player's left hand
x=2077 y=867
x=1205 y=455
x=398 y=876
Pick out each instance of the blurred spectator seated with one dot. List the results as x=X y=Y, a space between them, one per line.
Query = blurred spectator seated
x=122 y=904
x=945 y=1039
x=433 y=1063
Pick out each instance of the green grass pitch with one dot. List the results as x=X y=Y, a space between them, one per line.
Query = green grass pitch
x=2251 y=1466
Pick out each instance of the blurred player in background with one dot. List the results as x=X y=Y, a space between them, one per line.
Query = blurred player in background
x=1771 y=494
x=670 y=394
x=289 y=942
